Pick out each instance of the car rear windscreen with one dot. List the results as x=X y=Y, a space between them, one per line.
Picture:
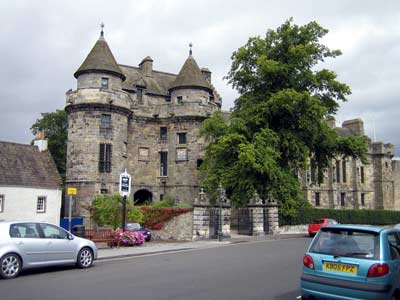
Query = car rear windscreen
x=347 y=242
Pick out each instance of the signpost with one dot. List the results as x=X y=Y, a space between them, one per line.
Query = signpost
x=71 y=192
x=124 y=191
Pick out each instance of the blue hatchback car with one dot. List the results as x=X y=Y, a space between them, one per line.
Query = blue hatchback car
x=352 y=262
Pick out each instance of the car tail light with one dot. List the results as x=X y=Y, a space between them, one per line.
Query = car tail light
x=308 y=261
x=377 y=270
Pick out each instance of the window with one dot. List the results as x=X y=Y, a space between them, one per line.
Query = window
x=317 y=199
x=105 y=121
x=362 y=176
x=161 y=197
x=344 y=171
x=199 y=163
x=104 y=83
x=163 y=163
x=41 y=204
x=53 y=232
x=24 y=230
x=163 y=133
x=181 y=137
x=342 y=199
x=1 y=203
x=103 y=191
x=179 y=99
x=105 y=158
x=362 y=199
x=337 y=171
x=139 y=95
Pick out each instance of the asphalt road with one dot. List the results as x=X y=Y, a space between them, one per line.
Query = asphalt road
x=254 y=270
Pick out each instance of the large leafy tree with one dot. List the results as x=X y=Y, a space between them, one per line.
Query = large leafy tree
x=279 y=120
x=55 y=127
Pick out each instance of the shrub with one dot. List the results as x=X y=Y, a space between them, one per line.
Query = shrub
x=344 y=216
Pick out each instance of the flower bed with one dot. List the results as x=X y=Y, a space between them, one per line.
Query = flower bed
x=128 y=238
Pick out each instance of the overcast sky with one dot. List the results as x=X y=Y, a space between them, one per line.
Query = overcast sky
x=44 y=42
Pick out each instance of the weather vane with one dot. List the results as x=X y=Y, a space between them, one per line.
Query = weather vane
x=102 y=27
x=190 y=51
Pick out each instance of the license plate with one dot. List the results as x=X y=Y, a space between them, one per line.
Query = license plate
x=338 y=267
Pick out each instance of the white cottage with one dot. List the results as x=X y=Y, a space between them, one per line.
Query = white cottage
x=30 y=185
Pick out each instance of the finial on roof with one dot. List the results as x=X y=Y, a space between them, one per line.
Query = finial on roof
x=190 y=51
x=102 y=27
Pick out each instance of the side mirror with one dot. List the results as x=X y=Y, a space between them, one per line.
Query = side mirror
x=70 y=236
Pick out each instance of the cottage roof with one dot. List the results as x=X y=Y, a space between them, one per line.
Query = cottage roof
x=190 y=76
x=25 y=166
x=100 y=60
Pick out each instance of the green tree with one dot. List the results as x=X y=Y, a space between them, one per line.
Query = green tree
x=107 y=211
x=55 y=127
x=279 y=120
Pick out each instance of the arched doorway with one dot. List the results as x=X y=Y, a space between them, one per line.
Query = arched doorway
x=142 y=197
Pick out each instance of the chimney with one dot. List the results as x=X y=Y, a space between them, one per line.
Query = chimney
x=40 y=141
x=206 y=74
x=355 y=125
x=147 y=66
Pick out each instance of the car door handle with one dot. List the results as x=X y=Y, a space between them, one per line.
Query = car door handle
x=49 y=243
x=20 y=243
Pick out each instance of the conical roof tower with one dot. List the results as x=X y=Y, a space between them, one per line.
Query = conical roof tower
x=190 y=76
x=100 y=60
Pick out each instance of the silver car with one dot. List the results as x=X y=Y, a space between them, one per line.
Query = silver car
x=26 y=245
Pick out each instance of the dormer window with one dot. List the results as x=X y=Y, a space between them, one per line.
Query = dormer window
x=104 y=83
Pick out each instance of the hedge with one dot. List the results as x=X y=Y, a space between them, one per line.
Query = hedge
x=344 y=216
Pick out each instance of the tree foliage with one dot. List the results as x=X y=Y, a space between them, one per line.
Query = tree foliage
x=55 y=127
x=279 y=120
x=107 y=211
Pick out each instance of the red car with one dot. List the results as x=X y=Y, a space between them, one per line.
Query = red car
x=318 y=223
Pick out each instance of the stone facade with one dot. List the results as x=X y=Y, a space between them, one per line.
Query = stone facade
x=350 y=184
x=139 y=119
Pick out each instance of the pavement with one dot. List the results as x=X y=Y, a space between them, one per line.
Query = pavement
x=154 y=247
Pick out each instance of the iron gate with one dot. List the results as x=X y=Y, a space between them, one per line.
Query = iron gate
x=214 y=222
x=266 y=221
x=245 y=222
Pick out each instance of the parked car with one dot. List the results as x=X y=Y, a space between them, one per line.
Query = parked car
x=26 y=245
x=136 y=227
x=352 y=262
x=315 y=225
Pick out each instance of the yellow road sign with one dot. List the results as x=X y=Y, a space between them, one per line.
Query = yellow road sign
x=71 y=191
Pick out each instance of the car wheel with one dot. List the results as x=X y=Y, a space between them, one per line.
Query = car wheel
x=10 y=266
x=85 y=258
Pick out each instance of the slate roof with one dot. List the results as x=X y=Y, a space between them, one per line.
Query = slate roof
x=190 y=76
x=25 y=166
x=158 y=84
x=100 y=59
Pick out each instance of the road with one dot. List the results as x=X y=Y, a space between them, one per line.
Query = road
x=254 y=270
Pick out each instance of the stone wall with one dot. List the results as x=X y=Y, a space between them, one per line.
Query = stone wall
x=179 y=228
